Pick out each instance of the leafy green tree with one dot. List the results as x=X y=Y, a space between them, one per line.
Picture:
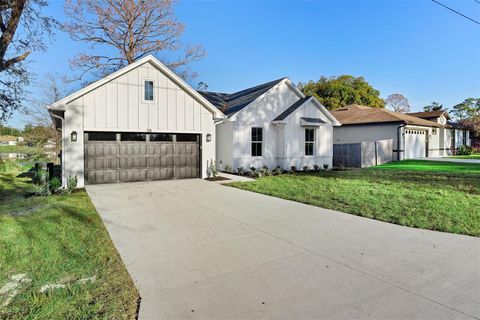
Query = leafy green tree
x=469 y=108
x=7 y=131
x=468 y=114
x=337 y=92
x=434 y=106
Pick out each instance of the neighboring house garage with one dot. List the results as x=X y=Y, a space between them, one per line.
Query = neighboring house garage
x=140 y=123
x=415 y=143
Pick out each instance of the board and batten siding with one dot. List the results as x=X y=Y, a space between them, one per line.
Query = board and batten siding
x=283 y=145
x=260 y=113
x=294 y=137
x=119 y=106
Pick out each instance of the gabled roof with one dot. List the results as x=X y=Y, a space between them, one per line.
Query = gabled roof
x=358 y=114
x=300 y=102
x=234 y=102
x=61 y=104
x=429 y=114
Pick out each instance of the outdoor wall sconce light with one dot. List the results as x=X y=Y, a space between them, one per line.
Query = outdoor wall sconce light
x=73 y=136
x=209 y=137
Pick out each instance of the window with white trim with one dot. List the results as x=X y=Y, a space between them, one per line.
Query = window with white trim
x=434 y=130
x=309 y=141
x=148 y=90
x=257 y=142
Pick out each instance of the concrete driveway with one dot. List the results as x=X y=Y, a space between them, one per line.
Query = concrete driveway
x=200 y=250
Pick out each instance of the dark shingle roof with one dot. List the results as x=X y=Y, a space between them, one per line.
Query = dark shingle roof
x=429 y=114
x=456 y=125
x=234 y=102
x=291 y=109
x=312 y=120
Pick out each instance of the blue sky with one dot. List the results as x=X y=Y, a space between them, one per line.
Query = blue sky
x=415 y=48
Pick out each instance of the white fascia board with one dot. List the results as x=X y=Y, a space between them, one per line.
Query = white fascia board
x=61 y=104
x=294 y=87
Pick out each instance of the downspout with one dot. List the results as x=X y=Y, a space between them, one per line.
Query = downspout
x=398 y=140
x=63 y=151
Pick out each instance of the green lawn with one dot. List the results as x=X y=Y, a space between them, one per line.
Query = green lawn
x=432 y=166
x=59 y=240
x=474 y=156
x=410 y=193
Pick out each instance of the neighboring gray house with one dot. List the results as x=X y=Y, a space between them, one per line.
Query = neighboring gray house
x=140 y=123
x=272 y=124
x=411 y=137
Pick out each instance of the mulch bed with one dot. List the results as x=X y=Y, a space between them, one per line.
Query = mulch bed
x=217 y=179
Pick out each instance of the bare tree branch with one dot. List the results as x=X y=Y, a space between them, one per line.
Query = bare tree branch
x=133 y=28
x=397 y=103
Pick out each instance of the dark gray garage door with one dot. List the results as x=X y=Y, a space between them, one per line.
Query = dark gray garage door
x=125 y=157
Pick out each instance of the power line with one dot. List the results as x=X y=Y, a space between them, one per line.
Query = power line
x=455 y=11
x=478 y=1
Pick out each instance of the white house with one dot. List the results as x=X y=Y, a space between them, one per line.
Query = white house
x=8 y=140
x=453 y=134
x=140 y=123
x=273 y=124
x=441 y=143
x=412 y=137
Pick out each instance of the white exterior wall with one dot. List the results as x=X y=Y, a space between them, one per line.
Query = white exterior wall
x=294 y=139
x=439 y=144
x=72 y=152
x=434 y=143
x=118 y=106
x=260 y=113
x=224 y=145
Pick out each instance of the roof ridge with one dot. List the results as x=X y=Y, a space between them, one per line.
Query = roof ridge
x=273 y=82
x=213 y=92
x=231 y=103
